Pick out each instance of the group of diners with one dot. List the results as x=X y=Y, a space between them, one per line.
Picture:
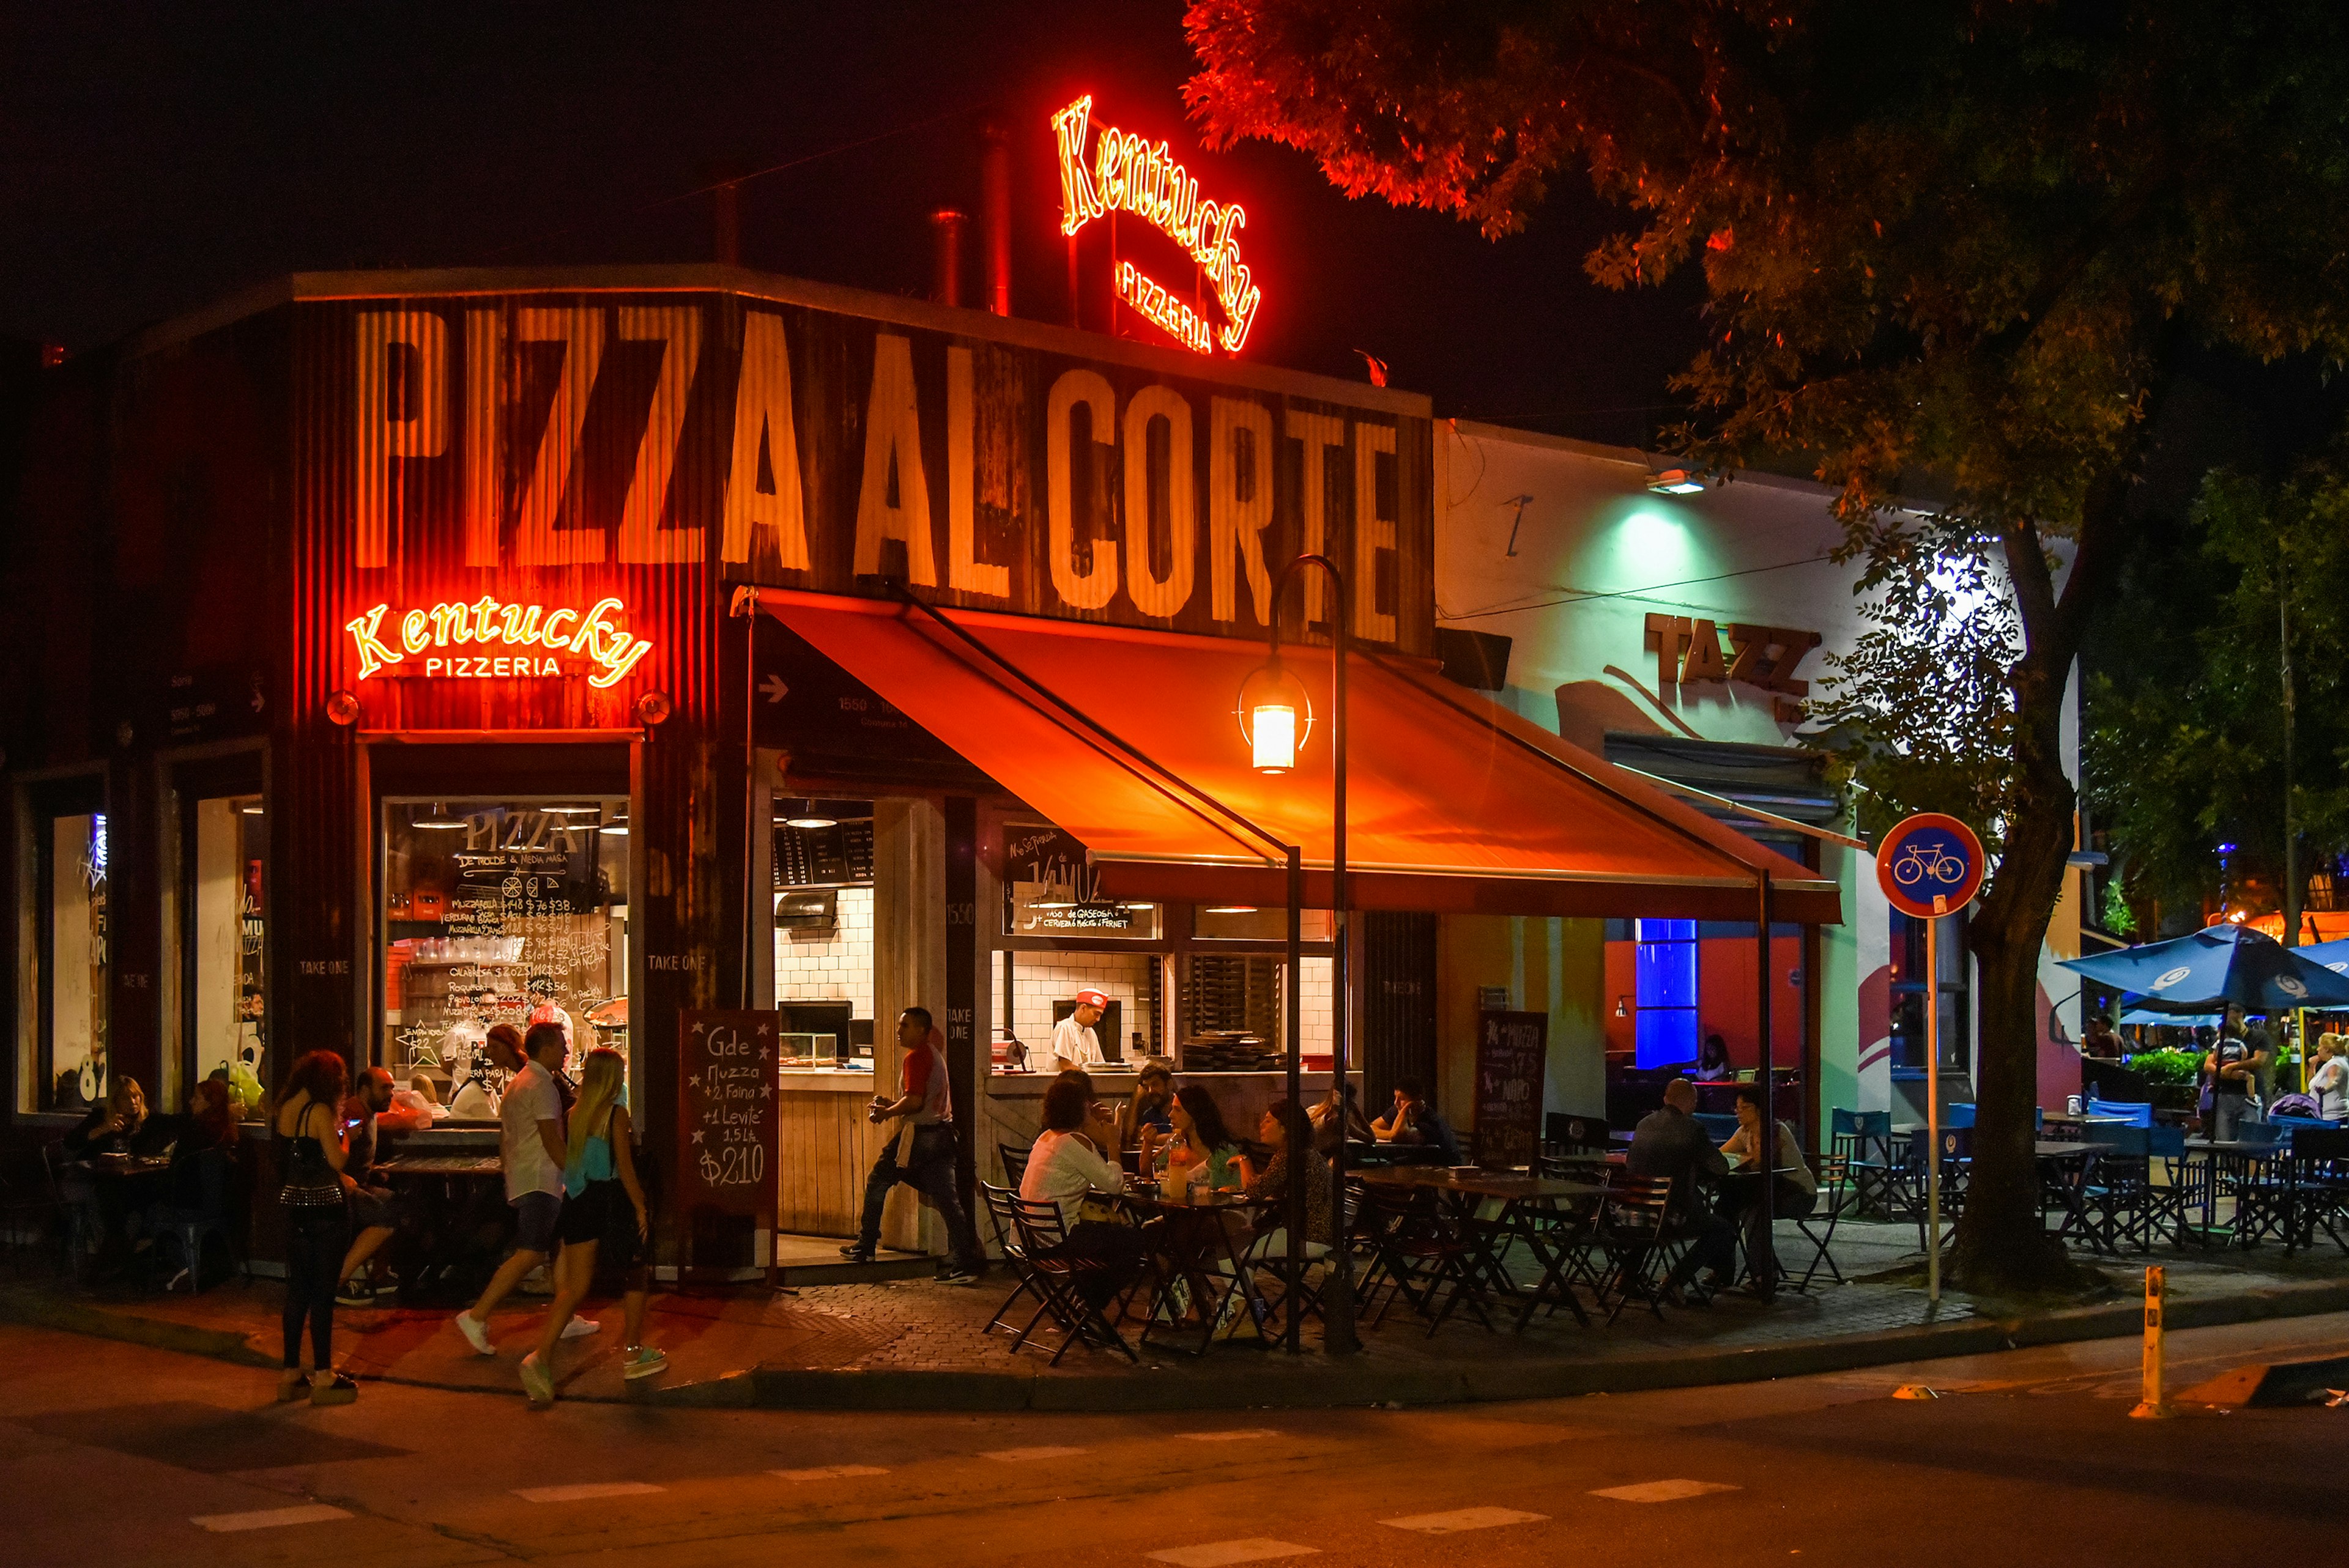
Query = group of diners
x=1670 y=1143
x=128 y=1217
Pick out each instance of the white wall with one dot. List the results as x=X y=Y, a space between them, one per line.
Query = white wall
x=838 y=970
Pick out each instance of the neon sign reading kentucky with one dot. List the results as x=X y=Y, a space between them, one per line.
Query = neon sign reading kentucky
x=509 y=641
x=1128 y=174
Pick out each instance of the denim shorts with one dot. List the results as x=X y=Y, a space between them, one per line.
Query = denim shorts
x=535 y=1217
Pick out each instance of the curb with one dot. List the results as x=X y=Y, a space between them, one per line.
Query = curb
x=1236 y=1383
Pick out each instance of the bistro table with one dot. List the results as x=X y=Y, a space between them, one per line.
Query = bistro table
x=1460 y=1197
x=459 y=1197
x=2246 y=1166
x=1195 y=1242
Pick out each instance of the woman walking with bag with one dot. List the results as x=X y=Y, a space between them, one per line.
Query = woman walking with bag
x=604 y=1211
x=317 y=1225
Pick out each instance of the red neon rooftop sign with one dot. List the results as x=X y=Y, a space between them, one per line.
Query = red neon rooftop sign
x=1128 y=174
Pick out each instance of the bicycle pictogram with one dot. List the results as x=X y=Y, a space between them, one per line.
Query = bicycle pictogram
x=1919 y=862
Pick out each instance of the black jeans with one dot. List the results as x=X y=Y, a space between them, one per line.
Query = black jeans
x=931 y=1172
x=1713 y=1244
x=1787 y=1202
x=315 y=1240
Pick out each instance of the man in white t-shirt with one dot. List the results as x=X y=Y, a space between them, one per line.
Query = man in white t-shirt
x=531 y=1147
x=1074 y=1044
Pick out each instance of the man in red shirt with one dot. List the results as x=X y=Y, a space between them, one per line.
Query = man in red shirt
x=921 y=1150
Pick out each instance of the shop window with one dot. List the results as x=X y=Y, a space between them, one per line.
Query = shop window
x=225 y=876
x=69 y=960
x=1664 y=976
x=512 y=911
x=823 y=932
x=1952 y=993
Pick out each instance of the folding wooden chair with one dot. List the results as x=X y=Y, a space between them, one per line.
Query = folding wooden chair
x=1836 y=1185
x=1639 y=1249
x=1060 y=1280
x=1561 y=1239
x=1419 y=1254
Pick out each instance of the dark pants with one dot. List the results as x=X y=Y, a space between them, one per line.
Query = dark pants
x=931 y=1173
x=1117 y=1250
x=1712 y=1245
x=1787 y=1202
x=315 y=1240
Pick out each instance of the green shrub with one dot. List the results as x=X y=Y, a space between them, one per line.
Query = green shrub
x=2166 y=1066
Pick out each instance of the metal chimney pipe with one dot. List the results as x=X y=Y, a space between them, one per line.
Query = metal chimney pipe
x=947 y=225
x=994 y=193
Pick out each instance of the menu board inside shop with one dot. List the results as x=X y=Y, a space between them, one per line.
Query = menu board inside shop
x=729 y=1135
x=1050 y=889
x=1512 y=1053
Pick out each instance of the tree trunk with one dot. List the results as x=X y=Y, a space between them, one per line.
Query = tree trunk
x=2002 y=1246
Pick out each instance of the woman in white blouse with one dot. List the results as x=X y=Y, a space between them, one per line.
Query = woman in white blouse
x=1074 y=1155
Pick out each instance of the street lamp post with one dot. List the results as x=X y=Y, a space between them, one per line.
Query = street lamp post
x=1275 y=717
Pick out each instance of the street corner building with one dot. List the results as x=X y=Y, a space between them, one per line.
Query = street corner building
x=396 y=654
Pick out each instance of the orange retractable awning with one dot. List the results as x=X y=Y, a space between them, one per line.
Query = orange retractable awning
x=1127 y=739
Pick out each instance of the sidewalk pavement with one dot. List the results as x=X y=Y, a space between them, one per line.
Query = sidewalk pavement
x=920 y=1344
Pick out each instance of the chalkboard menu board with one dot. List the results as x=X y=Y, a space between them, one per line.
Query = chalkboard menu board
x=729 y=1132
x=1512 y=1050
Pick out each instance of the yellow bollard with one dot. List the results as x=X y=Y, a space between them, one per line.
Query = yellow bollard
x=2151 y=1407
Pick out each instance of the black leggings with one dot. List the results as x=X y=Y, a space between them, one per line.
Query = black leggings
x=315 y=1240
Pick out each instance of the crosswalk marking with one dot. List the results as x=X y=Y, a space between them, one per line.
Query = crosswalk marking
x=1243 y=1433
x=829 y=1472
x=268 y=1518
x=581 y=1492
x=1461 y=1519
x=1014 y=1456
x=1663 y=1490
x=1220 y=1553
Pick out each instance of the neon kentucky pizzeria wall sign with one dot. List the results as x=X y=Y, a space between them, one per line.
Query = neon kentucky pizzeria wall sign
x=508 y=642
x=1128 y=174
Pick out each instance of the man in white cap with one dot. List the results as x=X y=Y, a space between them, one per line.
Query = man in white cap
x=1074 y=1044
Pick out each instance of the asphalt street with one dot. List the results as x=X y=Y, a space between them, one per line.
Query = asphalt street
x=115 y=1454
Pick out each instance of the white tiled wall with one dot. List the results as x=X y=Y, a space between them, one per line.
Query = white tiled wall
x=1316 y=1028
x=838 y=970
x=1040 y=979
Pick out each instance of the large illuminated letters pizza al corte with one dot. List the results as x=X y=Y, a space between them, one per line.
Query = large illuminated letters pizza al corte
x=489 y=639
x=1126 y=174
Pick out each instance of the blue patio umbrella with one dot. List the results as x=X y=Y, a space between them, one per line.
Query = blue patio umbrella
x=2133 y=1014
x=2216 y=966
x=2332 y=955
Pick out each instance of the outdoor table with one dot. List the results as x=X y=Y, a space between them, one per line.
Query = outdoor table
x=464 y=1194
x=2211 y=1162
x=1462 y=1192
x=1746 y=1173
x=2064 y=1171
x=1194 y=1244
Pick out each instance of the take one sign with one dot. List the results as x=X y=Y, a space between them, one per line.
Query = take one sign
x=558 y=450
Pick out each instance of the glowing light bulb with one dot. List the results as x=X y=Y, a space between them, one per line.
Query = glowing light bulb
x=1274 y=738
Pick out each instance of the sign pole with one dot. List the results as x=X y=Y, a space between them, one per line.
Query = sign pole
x=1933 y=1112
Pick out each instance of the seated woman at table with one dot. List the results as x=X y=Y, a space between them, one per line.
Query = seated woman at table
x=1285 y=1127
x=1793 y=1190
x=1712 y=1065
x=119 y=1126
x=1202 y=1156
x=2329 y=1082
x=1076 y=1155
x=1328 y=1123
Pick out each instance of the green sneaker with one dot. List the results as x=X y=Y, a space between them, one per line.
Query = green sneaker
x=642 y=1361
x=536 y=1381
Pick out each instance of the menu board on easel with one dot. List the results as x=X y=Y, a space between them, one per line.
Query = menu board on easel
x=730 y=1133
x=1512 y=1053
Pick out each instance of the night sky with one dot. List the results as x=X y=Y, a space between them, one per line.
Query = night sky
x=152 y=159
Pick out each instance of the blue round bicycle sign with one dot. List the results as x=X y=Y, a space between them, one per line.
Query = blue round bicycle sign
x=1931 y=865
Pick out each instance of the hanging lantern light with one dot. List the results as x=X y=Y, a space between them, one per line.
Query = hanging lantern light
x=1275 y=717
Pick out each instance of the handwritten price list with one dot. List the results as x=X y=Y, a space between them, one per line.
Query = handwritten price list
x=730 y=1123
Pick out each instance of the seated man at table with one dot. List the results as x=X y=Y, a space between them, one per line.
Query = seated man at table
x=1669 y=1142
x=376 y=1212
x=1414 y=1120
x=1793 y=1190
x=1076 y=1154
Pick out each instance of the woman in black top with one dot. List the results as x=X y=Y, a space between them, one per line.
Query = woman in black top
x=318 y=1227
x=121 y=1126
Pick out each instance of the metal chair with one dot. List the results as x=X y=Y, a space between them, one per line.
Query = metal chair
x=1863 y=1138
x=1015 y=1164
x=2320 y=1177
x=1639 y=1246
x=1418 y=1254
x=1002 y=1216
x=1061 y=1280
x=214 y=1215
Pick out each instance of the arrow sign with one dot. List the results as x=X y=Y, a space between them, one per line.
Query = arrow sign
x=775 y=689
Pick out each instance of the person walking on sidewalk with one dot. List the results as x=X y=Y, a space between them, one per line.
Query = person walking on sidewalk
x=531 y=1147
x=603 y=1213
x=922 y=1153
x=317 y=1228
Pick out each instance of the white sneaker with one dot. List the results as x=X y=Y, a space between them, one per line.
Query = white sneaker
x=476 y=1333
x=581 y=1327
